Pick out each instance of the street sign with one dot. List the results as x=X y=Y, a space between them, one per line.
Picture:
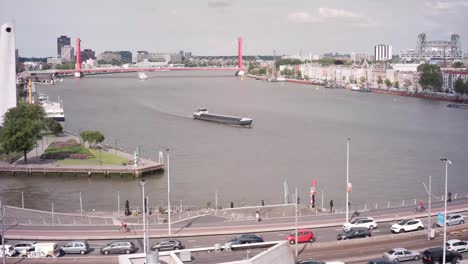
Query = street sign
x=440 y=219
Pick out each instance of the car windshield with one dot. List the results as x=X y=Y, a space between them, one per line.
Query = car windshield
x=354 y=221
x=391 y=252
x=402 y=222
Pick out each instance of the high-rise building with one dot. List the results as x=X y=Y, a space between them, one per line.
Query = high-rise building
x=61 y=42
x=382 y=52
x=88 y=54
x=67 y=53
x=126 y=56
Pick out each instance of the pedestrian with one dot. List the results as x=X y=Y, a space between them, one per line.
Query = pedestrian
x=257 y=215
x=331 y=206
x=232 y=204
x=263 y=203
x=449 y=197
x=313 y=200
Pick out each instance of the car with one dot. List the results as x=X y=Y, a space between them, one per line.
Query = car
x=457 y=245
x=434 y=256
x=23 y=245
x=119 y=247
x=303 y=235
x=309 y=261
x=407 y=225
x=380 y=261
x=41 y=250
x=246 y=239
x=355 y=232
x=169 y=244
x=401 y=254
x=9 y=251
x=455 y=219
x=76 y=247
x=367 y=222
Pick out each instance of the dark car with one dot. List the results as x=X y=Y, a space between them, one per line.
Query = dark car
x=309 y=261
x=380 y=261
x=354 y=233
x=169 y=244
x=119 y=247
x=246 y=239
x=434 y=255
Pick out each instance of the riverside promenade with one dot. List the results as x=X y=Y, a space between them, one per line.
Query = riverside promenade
x=36 y=165
x=208 y=224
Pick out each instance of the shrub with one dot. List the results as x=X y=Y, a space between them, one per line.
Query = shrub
x=66 y=149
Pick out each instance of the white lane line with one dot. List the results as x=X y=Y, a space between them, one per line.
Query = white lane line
x=191 y=240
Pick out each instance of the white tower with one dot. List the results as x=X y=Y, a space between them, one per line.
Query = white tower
x=7 y=69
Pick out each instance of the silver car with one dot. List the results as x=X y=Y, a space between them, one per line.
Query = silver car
x=76 y=247
x=23 y=246
x=455 y=219
x=401 y=254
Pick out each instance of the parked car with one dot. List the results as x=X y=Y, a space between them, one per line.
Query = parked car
x=401 y=254
x=457 y=245
x=454 y=219
x=76 y=247
x=119 y=247
x=309 y=261
x=355 y=232
x=23 y=245
x=246 y=239
x=303 y=235
x=380 y=261
x=9 y=251
x=367 y=222
x=434 y=255
x=169 y=244
x=41 y=250
x=407 y=225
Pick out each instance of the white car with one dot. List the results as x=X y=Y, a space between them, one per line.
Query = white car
x=24 y=245
x=9 y=251
x=407 y=225
x=457 y=245
x=366 y=222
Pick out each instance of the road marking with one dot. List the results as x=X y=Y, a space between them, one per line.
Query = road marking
x=191 y=240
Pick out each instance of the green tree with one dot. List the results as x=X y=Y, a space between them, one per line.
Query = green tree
x=388 y=83
x=53 y=126
x=251 y=67
x=287 y=72
x=299 y=74
x=92 y=137
x=460 y=86
x=396 y=84
x=262 y=71
x=362 y=79
x=22 y=126
x=379 y=80
x=306 y=77
x=430 y=77
x=458 y=64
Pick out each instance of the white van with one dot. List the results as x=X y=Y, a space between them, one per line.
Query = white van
x=41 y=250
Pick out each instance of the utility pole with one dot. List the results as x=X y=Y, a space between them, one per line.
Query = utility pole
x=3 y=234
x=81 y=206
x=429 y=213
x=118 y=203
x=168 y=192
x=444 y=252
x=296 y=238
x=347 y=179
x=216 y=200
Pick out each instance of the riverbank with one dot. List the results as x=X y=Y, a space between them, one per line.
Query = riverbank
x=97 y=166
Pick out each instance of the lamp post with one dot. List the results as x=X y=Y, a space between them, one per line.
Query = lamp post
x=296 y=235
x=428 y=190
x=168 y=192
x=447 y=162
x=347 y=179
x=142 y=183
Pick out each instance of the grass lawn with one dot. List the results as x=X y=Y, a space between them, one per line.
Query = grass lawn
x=106 y=158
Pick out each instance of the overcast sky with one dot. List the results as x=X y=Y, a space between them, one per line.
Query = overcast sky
x=210 y=27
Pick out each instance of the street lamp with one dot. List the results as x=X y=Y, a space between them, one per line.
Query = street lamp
x=142 y=183
x=347 y=179
x=447 y=162
x=168 y=192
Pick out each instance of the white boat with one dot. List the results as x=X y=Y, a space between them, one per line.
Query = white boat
x=54 y=110
x=142 y=76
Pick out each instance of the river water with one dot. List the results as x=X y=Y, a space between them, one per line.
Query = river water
x=299 y=134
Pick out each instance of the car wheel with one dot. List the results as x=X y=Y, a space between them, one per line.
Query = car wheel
x=396 y=261
x=48 y=256
x=176 y=248
x=416 y=258
x=371 y=227
x=82 y=252
x=311 y=240
x=401 y=231
x=106 y=252
x=291 y=242
x=420 y=228
x=127 y=251
x=462 y=222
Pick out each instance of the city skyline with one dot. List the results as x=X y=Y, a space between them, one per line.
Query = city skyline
x=210 y=27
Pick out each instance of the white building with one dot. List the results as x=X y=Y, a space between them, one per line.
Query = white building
x=450 y=76
x=68 y=53
x=382 y=52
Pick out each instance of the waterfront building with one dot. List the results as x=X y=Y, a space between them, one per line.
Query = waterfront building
x=382 y=52
x=88 y=54
x=125 y=55
x=61 y=42
x=358 y=57
x=177 y=57
x=67 y=53
x=451 y=75
x=109 y=57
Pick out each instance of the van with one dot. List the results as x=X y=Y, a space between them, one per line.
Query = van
x=41 y=250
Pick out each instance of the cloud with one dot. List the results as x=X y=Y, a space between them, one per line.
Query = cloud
x=335 y=13
x=302 y=17
x=445 y=6
x=219 y=3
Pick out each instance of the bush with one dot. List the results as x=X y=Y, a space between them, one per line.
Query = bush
x=66 y=149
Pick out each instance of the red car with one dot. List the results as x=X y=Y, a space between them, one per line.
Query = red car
x=303 y=235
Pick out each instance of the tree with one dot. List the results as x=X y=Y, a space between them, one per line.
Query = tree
x=92 y=137
x=458 y=64
x=362 y=79
x=53 y=126
x=396 y=84
x=22 y=126
x=306 y=77
x=287 y=72
x=459 y=86
x=379 y=80
x=299 y=74
x=388 y=83
x=430 y=77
